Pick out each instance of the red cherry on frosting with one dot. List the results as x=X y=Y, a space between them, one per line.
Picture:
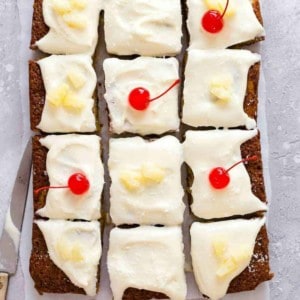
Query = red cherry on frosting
x=212 y=20
x=77 y=183
x=219 y=177
x=139 y=98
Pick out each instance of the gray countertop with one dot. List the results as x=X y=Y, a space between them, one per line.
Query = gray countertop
x=281 y=65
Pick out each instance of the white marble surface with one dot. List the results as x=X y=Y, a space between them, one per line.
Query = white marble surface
x=281 y=55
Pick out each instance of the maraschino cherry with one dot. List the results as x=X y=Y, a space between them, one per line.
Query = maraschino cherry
x=219 y=177
x=77 y=183
x=213 y=20
x=139 y=98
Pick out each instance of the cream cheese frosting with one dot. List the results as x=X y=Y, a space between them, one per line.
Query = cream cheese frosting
x=221 y=251
x=150 y=28
x=154 y=74
x=215 y=88
x=146 y=181
x=70 y=76
x=149 y=258
x=75 y=248
x=69 y=154
x=241 y=25
x=206 y=150
x=73 y=26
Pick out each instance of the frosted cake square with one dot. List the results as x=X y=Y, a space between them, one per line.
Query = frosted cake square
x=146 y=181
x=156 y=75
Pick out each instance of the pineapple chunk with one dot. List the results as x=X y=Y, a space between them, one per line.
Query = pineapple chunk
x=219 y=5
x=57 y=96
x=227 y=267
x=230 y=259
x=78 y=4
x=72 y=102
x=69 y=252
x=152 y=173
x=61 y=7
x=242 y=254
x=62 y=96
x=76 y=254
x=131 y=180
x=220 y=248
x=77 y=79
x=75 y=21
x=221 y=89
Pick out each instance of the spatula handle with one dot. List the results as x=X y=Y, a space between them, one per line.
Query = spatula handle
x=3 y=285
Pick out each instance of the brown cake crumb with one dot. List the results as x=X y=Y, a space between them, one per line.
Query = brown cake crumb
x=136 y=294
x=39 y=27
x=37 y=94
x=251 y=98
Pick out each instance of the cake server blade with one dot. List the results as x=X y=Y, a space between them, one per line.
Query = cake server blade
x=9 y=241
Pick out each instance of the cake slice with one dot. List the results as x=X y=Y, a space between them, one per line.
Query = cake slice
x=244 y=194
x=62 y=91
x=220 y=88
x=65 y=257
x=242 y=23
x=155 y=75
x=230 y=256
x=65 y=27
x=149 y=28
x=55 y=160
x=146 y=181
x=146 y=262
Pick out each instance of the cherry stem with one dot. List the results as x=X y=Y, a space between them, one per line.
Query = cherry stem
x=254 y=157
x=173 y=85
x=37 y=191
x=224 y=12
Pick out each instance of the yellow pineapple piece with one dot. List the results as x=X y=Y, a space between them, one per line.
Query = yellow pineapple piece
x=79 y=4
x=231 y=260
x=76 y=254
x=227 y=267
x=77 y=79
x=69 y=252
x=75 y=21
x=152 y=173
x=62 y=96
x=61 y=7
x=131 y=180
x=220 y=248
x=72 y=102
x=241 y=254
x=57 y=96
x=219 y=5
x=221 y=89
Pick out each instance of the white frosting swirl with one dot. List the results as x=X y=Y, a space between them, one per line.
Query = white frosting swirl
x=206 y=150
x=206 y=66
x=150 y=28
x=63 y=39
x=154 y=74
x=55 y=70
x=241 y=27
x=159 y=203
x=69 y=154
x=148 y=258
